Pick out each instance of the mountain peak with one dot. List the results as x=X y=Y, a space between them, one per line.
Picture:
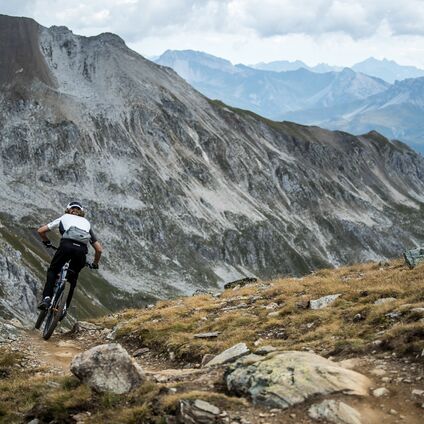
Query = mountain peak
x=20 y=56
x=386 y=69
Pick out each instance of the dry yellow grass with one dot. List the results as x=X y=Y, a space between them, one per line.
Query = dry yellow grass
x=243 y=315
x=238 y=315
x=55 y=399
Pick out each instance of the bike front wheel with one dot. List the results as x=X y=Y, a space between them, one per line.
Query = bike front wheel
x=40 y=319
x=55 y=312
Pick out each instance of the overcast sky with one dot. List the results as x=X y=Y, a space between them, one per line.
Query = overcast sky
x=338 y=32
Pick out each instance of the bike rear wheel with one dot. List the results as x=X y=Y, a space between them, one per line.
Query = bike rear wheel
x=55 y=312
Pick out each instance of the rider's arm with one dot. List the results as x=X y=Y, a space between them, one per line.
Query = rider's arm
x=98 y=249
x=42 y=232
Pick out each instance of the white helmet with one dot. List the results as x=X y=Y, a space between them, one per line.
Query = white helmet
x=73 y=205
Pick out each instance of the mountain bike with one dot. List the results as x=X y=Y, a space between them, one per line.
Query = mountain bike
x=57 y=309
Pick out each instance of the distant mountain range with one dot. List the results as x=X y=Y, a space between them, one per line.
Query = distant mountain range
x=345 y=99
x=387 y=70
x=285 y=65
x=269 y=93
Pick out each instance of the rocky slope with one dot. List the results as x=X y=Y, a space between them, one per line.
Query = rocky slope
x=183 y=192
x=396 y=113
x=339 y=346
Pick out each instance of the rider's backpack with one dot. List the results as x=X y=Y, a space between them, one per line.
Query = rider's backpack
x=77 y=234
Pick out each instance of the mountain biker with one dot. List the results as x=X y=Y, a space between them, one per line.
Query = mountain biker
x=76 y=233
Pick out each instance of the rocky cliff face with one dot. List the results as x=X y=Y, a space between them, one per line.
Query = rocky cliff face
x=182 y=191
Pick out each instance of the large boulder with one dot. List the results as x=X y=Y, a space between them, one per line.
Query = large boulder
x=107 y=368
x=283 y=379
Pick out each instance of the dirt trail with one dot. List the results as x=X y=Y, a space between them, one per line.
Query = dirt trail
x=56 y=353
x=400 y=376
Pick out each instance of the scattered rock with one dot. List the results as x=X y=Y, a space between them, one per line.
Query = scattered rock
x=393 y=315
x=384 y=300
x=210 y=335
x=358 y=317
x=381 y=391
x=16 y=323
x=140 y=352
x=235 y=307
x=284 y=379
x=273 y=314
x=200 y=292
x=378 y=372
x=198 y=412
x=9 y=332
x=240 y=283
x=418 y=310
x=230 y=355
x=417 y=392
x=107 y=368
x=81 y=417
x=323 y=302
x=334 y=412
x=81 y=326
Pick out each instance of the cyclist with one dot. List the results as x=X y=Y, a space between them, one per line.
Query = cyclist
x=76 y=233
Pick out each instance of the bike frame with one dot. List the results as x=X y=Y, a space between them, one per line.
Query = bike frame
x=59 y=285
x=57 y=308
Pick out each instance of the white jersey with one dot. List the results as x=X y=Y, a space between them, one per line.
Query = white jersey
x=67 y=221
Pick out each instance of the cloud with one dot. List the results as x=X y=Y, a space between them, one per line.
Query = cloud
x=355 y=18
x=137 y=19
x=16 y=7
x=132 y=19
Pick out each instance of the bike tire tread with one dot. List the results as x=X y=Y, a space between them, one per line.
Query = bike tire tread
x=54 y=317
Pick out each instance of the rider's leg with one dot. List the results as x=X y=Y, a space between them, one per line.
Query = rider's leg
x=73 y=283
x=75 y=266
x=61 y=256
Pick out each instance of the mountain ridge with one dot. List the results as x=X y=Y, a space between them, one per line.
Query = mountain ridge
x=340 y=100
x=184 y=192
x=266 y=92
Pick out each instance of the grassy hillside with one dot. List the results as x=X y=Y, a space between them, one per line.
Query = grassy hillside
x=273 y=312
x=276 y=312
